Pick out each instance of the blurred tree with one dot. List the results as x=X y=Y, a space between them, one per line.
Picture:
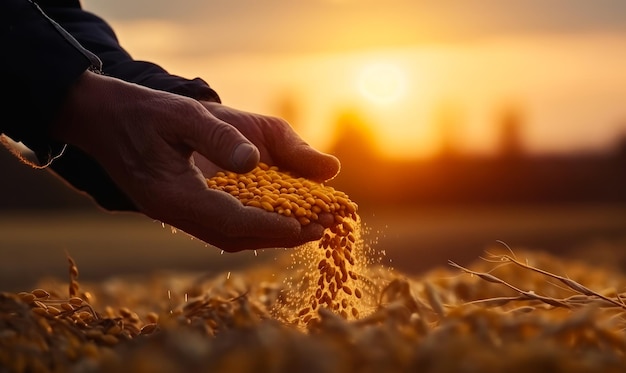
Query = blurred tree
x=288 y=107
x=448 y=123
x=355 y=146
x=510 y=127
x=620 y=147
x=355 y=142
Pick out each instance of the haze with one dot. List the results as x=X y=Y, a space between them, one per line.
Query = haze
x=558 y=63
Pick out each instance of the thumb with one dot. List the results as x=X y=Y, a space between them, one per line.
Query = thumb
x=224 y=145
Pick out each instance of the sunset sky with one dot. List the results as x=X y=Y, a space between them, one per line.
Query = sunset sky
x=402 y=65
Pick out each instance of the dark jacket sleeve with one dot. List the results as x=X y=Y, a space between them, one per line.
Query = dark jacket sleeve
x=43 y=64
x=38 y=66
x=40 y=62
x=97 y=36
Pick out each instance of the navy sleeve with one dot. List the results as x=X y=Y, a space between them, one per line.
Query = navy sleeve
x=97 y=36
x=38 y=66
x=42 y=61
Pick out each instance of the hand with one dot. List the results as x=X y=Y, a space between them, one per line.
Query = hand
x=277 y=142
x=145 y=140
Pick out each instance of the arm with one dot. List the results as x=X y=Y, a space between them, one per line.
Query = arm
x=45 y=62
x=144 y=139
x=125 y=137
x=277 y=142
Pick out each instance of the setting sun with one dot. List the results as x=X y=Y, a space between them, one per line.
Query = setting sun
x=382 y=82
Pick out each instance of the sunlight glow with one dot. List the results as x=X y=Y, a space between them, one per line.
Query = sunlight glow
x=382 y=82
x=399 y=91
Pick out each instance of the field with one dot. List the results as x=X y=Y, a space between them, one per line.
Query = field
x=155 y=301
x=33 y=245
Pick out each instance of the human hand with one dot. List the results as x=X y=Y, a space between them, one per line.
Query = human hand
x=145 y=139
x=277 y=142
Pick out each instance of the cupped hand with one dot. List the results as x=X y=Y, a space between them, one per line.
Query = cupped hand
x=145 y=139
x=277 y=142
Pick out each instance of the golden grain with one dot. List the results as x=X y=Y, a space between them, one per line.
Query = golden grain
x=53 y=310
x=109 y=339
x=44 y=325
x=67 y=307
x=148 y=328
x=27 y=297
x=304 y=311
x=93 y=333
x=40 y=311
x=125 y=312
x=40 y=293
x=84 y=315
x=267 y=206
x=114 y=330
x=152 y=317
x=404 y=333
x=279 y=192
x=357 y=293
x=75 y=301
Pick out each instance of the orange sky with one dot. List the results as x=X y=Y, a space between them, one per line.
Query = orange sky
x=399 y=66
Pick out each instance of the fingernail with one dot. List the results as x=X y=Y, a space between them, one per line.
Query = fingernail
x=245 y=157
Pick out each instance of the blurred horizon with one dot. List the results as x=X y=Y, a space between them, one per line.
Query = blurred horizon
x=402 y=65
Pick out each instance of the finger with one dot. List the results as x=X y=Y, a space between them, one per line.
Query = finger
x=285 y=147
x=221 y=143
x=310 y=233
x=268 y=229
x=293 y=153
x=290 y=236
x=219 y=219
x=326 y=219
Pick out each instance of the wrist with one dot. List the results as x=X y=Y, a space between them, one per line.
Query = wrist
x=71 y=118
x=89 y=111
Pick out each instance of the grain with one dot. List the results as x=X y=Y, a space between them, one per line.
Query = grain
x=149 y=328
x=27 y=297
x=40 y=293
x=441 y=321
x=276 y=191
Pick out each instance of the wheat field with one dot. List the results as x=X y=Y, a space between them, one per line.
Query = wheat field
x=509 y=310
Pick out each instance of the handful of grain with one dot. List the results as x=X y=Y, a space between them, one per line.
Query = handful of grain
x=337 y=261
x=276 y=191
x=439 y=322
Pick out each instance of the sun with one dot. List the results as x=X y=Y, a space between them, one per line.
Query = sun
x=382 y=82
